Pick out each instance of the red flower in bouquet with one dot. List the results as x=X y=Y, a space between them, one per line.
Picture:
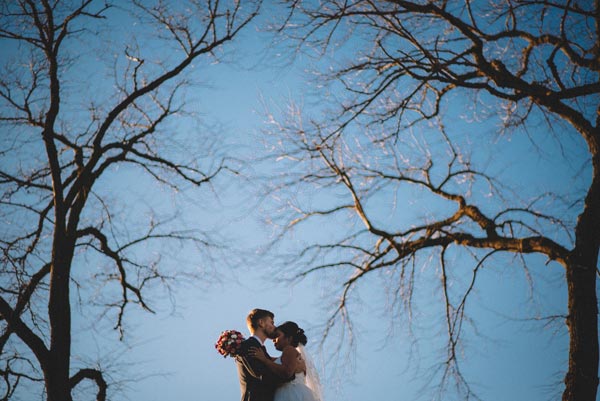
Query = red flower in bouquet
x=229 y=343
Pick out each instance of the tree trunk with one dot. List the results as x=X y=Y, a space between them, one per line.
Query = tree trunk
x=582 y=377
x=59 y=310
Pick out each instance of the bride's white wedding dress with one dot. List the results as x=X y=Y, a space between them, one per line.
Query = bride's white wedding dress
x=297 y=389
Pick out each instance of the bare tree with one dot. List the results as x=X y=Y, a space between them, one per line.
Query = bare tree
x=69 y=120
x=397 y=72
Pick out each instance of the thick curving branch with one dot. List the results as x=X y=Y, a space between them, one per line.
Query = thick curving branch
x=94 y=375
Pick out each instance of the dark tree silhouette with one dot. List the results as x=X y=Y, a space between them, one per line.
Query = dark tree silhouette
x=68 y=122
x=396 y=70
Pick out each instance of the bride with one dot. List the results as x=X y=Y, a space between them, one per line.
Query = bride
x=290 y=341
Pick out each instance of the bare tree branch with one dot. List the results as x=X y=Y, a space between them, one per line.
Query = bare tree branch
x=91 y=374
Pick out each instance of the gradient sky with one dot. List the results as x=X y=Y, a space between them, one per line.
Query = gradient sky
x=511 y=360
x=171 y=355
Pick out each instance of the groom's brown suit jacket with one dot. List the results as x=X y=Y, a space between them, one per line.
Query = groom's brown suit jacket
x=257 y=382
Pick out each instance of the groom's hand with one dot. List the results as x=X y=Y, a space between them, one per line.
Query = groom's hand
x=258 y=353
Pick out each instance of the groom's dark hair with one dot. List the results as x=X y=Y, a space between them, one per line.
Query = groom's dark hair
x=255 y=315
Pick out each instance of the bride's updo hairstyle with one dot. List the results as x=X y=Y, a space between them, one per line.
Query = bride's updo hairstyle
x=292 y=331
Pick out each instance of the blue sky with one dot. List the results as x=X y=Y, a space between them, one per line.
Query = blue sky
x=510 y=360
x=170 y=355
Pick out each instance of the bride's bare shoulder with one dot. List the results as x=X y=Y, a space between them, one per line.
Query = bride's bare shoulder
x=290 y=350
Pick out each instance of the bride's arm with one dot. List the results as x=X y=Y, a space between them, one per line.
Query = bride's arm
x=289 y=360
x=293 y=361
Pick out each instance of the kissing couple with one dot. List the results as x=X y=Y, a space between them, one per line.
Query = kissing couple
x=289 y=377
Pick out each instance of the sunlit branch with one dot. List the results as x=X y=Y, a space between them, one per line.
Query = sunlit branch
x=306 y=215
x=451 y=365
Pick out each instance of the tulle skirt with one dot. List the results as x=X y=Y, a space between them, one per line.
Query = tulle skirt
x=294 y=391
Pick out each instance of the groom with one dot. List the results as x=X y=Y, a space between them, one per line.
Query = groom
x=257 y=382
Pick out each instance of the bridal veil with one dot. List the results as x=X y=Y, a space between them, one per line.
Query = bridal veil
x=312 y=376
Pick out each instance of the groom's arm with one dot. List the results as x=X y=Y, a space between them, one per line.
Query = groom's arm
x=269 y=378
x=253 y=366
x=275 y=380
x=260 y=371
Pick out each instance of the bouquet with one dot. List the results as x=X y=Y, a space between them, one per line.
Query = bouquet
x=229 y=343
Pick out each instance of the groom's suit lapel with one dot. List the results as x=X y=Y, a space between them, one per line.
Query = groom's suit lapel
x=257 y=344
x=253 y=342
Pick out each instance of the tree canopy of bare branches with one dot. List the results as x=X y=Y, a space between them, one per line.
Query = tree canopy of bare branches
x=87 y=93
x=401 y=76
